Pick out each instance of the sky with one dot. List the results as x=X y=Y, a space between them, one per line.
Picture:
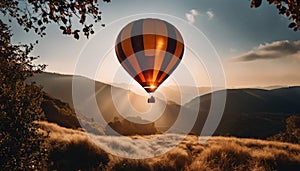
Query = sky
x=255 y=46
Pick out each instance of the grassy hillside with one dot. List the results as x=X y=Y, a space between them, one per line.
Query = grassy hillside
x=59 y=112
x=73 y=150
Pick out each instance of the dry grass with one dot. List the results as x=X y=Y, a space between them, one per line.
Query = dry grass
x=73 y=150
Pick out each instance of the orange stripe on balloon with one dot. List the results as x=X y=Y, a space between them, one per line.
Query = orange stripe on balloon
x=149 y=44
x=128 y=50
x=161 y=28
x=169 y=68
x=134 y=63
x=126 y=32
x=179 y=46
x=162 y=77
x=149 y=37
x=161 y=47
x=179 y=50
x=178 y=36
x=130 y=56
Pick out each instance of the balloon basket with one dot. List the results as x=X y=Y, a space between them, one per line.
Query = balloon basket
x=151 y=99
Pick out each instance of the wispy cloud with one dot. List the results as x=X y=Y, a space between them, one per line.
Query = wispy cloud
x=194 y=12
x=190 y=16
x=270 y=51
x=210 y=14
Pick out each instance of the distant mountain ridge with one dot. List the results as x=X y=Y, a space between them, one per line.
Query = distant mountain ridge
x=248 y=112
x=252 y=112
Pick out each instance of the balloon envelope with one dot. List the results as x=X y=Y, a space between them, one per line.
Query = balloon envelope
x=149 y=50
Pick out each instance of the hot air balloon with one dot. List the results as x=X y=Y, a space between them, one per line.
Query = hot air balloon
x=149 y=50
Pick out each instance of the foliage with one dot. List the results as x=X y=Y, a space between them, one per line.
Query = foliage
x=290 y=8
x=36 y=14
x=292 y=131
x=20 y=143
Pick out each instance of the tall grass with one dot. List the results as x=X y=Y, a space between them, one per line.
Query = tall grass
x=73 y=150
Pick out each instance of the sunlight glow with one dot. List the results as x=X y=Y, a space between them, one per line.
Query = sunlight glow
x=152 y=86
x=160 y=44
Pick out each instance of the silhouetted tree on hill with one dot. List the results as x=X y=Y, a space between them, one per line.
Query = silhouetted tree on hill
x=292 y=131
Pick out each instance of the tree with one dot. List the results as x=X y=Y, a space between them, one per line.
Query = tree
x=290 y=8
x=20 y=142
x=292 y=131
x=36 y=14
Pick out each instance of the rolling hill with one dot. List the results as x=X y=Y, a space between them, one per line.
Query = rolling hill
x=60 y=87
x=254 y=113
x=59 y=112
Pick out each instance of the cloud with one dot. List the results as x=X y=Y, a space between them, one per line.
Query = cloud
x=194 y=12
x=190 y=16
x=270 y=51
x=210 y=14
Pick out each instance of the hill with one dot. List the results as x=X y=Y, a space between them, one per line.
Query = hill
x=60 y=87
x=59 y=112
x=252 y=112
x=256 y=113
x=126 y=127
